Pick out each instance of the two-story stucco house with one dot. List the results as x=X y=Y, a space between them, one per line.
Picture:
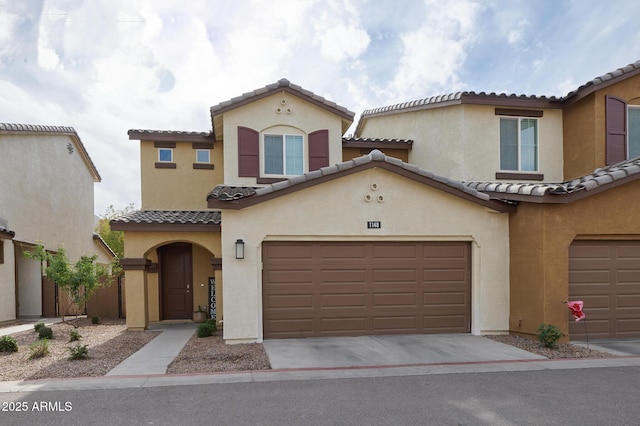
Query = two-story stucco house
x=46 y=198
x=569 y=166
x=316 y=238
x=467 y=213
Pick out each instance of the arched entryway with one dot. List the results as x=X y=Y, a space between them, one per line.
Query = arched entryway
x=175 y=269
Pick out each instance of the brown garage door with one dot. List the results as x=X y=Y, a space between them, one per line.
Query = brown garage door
x=365 y=288
x=606 y=275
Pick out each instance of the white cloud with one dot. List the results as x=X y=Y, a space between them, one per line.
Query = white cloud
x=516 y=35
x=343 y=42
x=338 y=31
x=433 y=55
x=106 y=66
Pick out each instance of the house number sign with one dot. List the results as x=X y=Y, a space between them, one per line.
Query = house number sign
x=374 y=224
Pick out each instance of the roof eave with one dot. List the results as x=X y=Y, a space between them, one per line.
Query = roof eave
x=245 y=202
x=163 y=227
x=161 y=136
x=217 y=110
x=591 y=87
x=464 y=98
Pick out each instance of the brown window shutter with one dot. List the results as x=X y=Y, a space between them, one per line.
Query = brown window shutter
x=616 y=114
x=318 y=149
x=248 y=152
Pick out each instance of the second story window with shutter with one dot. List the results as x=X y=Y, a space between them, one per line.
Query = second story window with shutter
x=623 y=130
x=283 y=155
x=274 y=155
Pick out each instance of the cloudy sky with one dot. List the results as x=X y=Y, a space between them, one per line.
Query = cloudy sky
x=106 y=66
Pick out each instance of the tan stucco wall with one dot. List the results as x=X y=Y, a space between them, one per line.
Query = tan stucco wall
x=48 y=200
x=262 y=117
x=540 y=238
x=29 y=287
x=580 y=138
x=7 y=283
x=462 y=142
x=337 y=211
x=585 y=129
x=182 y=188
x=51 y=193
x=142 y=288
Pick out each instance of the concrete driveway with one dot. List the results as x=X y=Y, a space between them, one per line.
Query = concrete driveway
x=369 y=351
x=619 y=347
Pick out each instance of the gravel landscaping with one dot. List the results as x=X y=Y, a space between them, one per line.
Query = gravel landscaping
x=211 y=354
x=565 y=350
x=109 y=343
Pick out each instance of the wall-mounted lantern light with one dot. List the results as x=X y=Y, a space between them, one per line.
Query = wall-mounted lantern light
x=239 y=249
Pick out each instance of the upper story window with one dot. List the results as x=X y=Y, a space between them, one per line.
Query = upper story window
x=275 y=156
x=165 y=155
x=203 y=156
x=623 y=130
x=633 y=131
x=519 y=144
x=283 y=155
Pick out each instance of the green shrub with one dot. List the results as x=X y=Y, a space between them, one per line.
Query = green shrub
x=45 y=333
x=39 y=349
x=95 y=319
x=38 y=326
x=212 y=322
x=206 y=329
x=8 y=344
x=548 y=335
x=74 y=335
x=78 y=352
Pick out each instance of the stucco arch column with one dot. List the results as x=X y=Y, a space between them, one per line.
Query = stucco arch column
x=136 y=293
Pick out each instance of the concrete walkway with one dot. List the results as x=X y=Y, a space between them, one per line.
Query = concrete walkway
x=29 y=326
x=155 y=356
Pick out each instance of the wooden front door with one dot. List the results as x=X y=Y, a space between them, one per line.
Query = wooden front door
x=176 y=281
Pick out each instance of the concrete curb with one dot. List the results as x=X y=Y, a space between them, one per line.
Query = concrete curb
x=157 y=380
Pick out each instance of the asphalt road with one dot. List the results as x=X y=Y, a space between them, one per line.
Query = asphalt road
x=598 y=396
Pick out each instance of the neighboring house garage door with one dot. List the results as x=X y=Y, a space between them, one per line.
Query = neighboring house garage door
x=365 y=288
x=606 y=276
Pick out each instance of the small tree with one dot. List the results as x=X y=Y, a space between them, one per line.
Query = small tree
x=79 y=280
x=114 y=239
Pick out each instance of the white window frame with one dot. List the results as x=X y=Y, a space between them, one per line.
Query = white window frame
x=630 y=107
x=519 y=144
x=160 y=160
x=263 y=150
x=208 y=152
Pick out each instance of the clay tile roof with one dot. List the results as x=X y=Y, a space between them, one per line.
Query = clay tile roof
x=599 y=179
x=140 y=134
x=604 y=80
x=377 y=141
x=196 y=217
x=6 y=232
x=226 y=193
x=282 y=84
x=221 y=192
x=13 y=128
x=456 y=98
